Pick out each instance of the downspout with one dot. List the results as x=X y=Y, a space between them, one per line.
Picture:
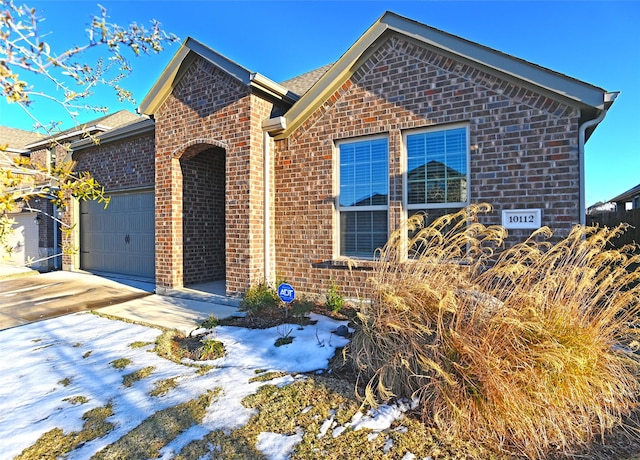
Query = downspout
x=266 y=176
x=56 y=261
x=270 y=126
x=609 y=98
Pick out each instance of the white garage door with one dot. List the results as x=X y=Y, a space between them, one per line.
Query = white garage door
x=121 y=238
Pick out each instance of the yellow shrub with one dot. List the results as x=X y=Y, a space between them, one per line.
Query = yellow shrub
x=527 y=349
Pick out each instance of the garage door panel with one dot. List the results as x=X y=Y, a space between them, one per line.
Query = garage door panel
x=121 y=238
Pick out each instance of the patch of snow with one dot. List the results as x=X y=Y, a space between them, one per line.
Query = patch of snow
x=381 y=418
x=278 y=446
x=338 y=431
x=325 y=427
x=388 y=445
x=257 y=350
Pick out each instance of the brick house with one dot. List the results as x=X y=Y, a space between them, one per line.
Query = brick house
x=627 y=200
x=24 y=243
x=36 y=239
x=238 y=178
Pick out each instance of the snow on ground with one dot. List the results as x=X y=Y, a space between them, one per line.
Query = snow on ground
x=44 y=364
x=37 y=358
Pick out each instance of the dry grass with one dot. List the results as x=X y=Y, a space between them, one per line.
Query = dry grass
x=55 y=443
x=146 y=440
x=527 y=350
x=133 y=377
x=176 y=346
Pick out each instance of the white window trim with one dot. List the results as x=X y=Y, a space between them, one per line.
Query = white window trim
x=336 y=185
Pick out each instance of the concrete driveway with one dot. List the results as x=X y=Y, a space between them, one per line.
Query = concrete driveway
x=34 y=297
x=26 y=299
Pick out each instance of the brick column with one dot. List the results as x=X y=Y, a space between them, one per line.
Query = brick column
x=168 y=197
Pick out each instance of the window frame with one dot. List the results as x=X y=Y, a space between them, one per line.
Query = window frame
x=405 y=165
x=339 y=209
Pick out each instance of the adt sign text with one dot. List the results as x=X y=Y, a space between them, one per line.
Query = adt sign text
x=286 y=293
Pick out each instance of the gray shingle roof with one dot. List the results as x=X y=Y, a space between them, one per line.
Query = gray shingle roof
x=302 y=83
x=106 y=122
x=110 y=121
x=16 y=138
x=628 y=195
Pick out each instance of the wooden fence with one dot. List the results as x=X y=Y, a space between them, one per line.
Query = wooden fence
x=611 y=219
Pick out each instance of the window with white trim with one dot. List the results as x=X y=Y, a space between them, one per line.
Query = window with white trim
x=363 y=198
x=437 y=170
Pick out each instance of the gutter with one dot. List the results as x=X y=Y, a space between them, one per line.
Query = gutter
x=16 y=151
x=78 y=132
x=56 y=226
x=270 y=127
x=268 y=86
x=134 y=129
x=609 y=99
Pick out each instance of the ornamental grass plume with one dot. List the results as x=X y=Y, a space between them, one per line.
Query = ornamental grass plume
x=529 y=349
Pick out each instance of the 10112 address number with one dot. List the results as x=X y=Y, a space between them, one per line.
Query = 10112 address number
x=527 y=219
x=522 y=218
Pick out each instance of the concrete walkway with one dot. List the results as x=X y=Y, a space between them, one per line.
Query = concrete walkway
x=27 y=296
x=9 y=271
x=169 y=312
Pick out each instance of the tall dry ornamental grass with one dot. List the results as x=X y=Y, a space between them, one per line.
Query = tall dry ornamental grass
x=528 y=349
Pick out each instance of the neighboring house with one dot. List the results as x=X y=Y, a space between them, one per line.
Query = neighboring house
x=600 y=207
x=25 y=242
x=235 y=177
x=37 y=238
x=628 y=200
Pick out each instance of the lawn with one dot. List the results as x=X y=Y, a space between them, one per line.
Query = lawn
x=85 y=386
x=466 y=350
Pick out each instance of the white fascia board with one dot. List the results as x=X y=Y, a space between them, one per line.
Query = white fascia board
x=134 y=129
x=342 y=68
x=171 y=74
x=163 y=85
x=61 y=138
x=16 y=151
x=224 y=63
x=268 y=86
x=274 y=125
x=581 y=92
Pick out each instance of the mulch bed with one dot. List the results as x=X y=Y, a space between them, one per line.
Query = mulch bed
x=275 y=316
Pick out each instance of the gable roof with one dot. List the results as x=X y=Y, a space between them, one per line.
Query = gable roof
x=542 y=80
x=307 y=92
x=629 y=195
x=302 y=83
x=141 y=125
x=16 y=139
x=101 y=124
x=186 y=54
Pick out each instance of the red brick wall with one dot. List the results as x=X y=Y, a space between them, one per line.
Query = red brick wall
x=211 y=108
x=118 y=165
x=524 y=151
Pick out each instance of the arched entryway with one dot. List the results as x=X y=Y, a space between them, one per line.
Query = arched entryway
x=203 y=214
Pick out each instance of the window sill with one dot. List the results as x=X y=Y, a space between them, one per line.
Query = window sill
x=347 y=264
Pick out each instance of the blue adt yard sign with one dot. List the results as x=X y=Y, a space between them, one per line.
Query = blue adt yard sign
x=286 y=293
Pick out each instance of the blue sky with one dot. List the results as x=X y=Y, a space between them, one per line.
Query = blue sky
x=594 y=41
